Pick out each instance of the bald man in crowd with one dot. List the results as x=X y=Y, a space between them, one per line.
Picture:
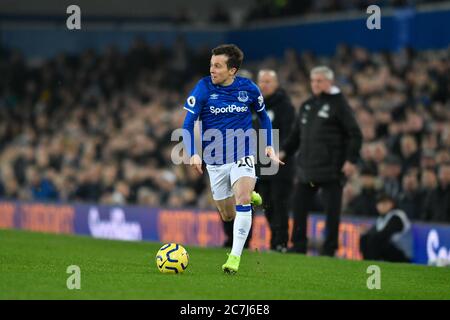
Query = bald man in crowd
x=276 y=189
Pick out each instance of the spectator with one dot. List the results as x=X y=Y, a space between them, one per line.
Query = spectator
x=11 y=190
x=437 y=203
x=42 y=189
x=391 y=175
x=428 y=159
x=428 y=183
x=390 y=239
x=121 y=193
x=364 y=204
x=147 y=197
x=411 y=198
x=410 y=155
x=90 y=188
x=379 y=152
x=442 y=156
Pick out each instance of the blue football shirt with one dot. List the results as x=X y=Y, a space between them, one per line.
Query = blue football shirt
x=225 y=113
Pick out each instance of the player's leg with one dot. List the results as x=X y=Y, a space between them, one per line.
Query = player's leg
x=242 y=188
x=243 y=180
x=219 y=177
x=227 y=208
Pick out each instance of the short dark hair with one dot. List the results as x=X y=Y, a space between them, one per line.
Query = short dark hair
x=234 y=54
x=383 y=196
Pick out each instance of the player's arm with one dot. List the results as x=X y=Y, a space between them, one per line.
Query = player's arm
x=193 y=107
x=189 y=141
x=266 y=124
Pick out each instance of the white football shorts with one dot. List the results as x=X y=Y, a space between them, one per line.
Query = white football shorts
x=223 y=177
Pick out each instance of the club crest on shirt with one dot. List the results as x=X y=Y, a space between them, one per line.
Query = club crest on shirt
x=243 y=97
x=323 y=112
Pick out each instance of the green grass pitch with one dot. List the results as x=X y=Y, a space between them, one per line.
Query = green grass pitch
x=33 y=266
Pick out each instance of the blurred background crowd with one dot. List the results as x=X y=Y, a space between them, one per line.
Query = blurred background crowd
x=96 y=127
x=237 y=13
x=264 y=10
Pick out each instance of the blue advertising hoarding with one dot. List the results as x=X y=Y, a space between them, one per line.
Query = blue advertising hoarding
x=431 y=244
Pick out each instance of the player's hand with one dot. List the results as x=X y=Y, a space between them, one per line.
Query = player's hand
x=282 y=155
x=196 y=162
x=270 y=152
x=349 y=169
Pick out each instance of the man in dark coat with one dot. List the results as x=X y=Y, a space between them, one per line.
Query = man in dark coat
x=276 y=190
x=328 y=139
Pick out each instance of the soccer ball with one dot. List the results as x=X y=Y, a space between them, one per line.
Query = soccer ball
x=172 y=258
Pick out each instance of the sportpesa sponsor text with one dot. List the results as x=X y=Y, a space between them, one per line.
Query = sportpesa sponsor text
x=227 y=109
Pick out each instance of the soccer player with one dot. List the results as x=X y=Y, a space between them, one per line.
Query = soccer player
x=224 y=103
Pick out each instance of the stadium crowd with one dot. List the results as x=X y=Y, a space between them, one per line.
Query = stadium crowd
x=266 y=10
x=257 y=11
x=96 y=127
x=272 y=9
